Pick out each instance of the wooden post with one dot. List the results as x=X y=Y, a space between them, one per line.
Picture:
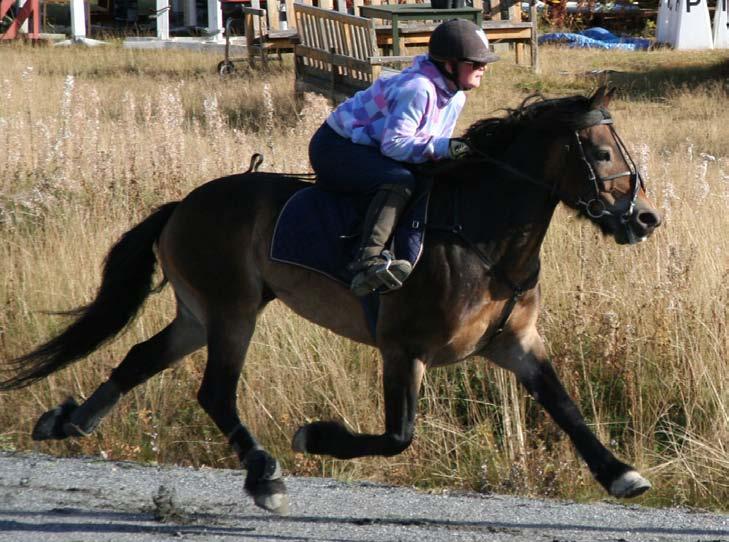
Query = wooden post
x=290 y=16
x=31 y=8
x=215 y=20
x=190 y=10
x=534 y=44
x=272 y=7
x=162 y=13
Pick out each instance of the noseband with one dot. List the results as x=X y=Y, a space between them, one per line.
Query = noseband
x=594 y=207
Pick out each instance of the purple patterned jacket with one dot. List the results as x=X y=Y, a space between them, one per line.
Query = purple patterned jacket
x=409 y=116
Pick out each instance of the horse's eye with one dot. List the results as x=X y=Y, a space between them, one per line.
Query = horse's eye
x=602 y=155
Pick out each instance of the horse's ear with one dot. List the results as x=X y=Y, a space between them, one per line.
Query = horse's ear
x=602 y=97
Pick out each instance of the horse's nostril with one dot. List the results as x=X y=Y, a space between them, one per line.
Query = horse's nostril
x=649 y=219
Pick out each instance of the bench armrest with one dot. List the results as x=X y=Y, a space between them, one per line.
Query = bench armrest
x=258 y=12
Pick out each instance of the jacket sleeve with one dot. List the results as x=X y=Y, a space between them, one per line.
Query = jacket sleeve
x=402 y=138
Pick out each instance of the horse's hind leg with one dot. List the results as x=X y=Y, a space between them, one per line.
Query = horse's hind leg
x=144 y=360
x=527 y=358
x=229 y=334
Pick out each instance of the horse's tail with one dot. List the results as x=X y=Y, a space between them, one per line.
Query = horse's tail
x=126 y=282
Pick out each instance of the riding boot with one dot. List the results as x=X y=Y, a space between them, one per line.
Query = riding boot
x=375 y=266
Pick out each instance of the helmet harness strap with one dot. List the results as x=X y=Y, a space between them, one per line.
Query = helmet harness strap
x=451 y=76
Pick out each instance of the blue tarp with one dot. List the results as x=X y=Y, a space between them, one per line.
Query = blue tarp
x=596 y=38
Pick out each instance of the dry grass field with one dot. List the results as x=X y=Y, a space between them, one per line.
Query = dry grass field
x=92 y=139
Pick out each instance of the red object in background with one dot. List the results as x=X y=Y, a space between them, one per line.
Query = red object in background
x=30 y=9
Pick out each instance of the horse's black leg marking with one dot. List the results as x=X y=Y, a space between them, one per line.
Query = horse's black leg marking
x=228 y=340
x=144 y=360
x=402 y=376
x=544 y=385
x=537 y=375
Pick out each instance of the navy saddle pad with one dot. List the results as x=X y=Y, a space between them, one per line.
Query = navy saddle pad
x=320 y=231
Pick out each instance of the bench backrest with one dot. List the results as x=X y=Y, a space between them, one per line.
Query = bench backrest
x=334 y=51
x=340 y=6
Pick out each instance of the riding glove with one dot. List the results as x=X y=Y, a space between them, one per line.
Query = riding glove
x=458 y=148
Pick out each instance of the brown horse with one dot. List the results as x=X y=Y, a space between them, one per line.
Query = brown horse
x=474 y=292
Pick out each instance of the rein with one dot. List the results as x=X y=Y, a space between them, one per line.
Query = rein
x=594 y=207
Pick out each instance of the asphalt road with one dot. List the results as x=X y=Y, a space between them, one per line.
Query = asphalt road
x=46 y=499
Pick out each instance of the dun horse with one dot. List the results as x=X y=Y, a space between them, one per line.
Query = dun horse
x=474 y=292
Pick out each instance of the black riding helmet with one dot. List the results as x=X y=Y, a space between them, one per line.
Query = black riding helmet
x=459 y=39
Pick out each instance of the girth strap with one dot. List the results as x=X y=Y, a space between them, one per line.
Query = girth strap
x=517 y=290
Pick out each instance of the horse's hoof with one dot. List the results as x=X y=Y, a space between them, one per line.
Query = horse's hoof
x=264 y=483
x=630 y=484
x=50 y=426
x=271 y=495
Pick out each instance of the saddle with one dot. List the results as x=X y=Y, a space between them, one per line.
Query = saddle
x=320 y=231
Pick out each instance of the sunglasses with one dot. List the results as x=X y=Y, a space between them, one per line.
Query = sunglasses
x=475 y=65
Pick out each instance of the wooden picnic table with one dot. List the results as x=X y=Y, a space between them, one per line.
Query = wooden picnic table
x=397 y=13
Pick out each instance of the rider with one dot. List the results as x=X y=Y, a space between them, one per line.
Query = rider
x=368 y=144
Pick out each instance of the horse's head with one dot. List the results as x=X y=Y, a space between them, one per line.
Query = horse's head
x=569 y=147
x=594 y=173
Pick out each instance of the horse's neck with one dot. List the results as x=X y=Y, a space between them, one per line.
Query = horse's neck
x=504 y=220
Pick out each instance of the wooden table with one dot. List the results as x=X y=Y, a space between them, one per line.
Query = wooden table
x=417 y=12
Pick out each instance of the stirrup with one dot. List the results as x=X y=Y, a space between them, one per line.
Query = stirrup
x=383 y=273
x=382 y=277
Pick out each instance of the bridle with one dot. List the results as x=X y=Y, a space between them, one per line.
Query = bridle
x=594 y=207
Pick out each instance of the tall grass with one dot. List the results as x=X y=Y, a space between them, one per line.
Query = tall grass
x=91 y=140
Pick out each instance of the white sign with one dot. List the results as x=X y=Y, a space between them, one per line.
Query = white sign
x=663 y=22
x=691 y=27
x=721 y=26
x=78 y=20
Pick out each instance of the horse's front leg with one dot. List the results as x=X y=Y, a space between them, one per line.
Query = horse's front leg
x=525 y=355
x=401 y=375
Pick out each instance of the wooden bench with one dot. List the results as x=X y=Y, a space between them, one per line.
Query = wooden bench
x=336 y=54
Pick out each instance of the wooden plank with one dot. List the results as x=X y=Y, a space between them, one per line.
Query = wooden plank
x=290 y=16
x=381 y=60
x=334 y=59
x=259 y=16
x=274 y=23
x=495 y=10
x=327 y=82
x=335 y=15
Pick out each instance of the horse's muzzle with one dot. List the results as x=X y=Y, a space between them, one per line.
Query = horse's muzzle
x=640 y=224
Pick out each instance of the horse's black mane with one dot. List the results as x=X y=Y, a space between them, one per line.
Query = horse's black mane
x=493 y=135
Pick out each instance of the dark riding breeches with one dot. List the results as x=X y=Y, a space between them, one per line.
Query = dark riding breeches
x=347 y=167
